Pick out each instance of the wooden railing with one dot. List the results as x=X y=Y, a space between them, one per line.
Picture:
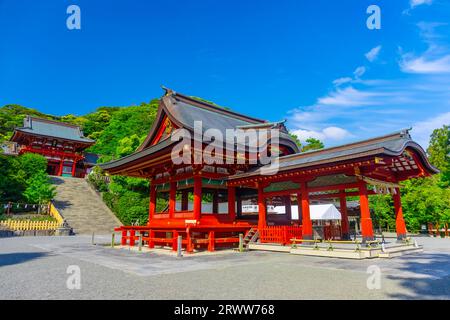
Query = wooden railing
x=279 y=234
x=16 y=225
x=55 y=213
x=29 y=225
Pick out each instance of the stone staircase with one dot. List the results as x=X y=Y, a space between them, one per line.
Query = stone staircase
x=82 y=207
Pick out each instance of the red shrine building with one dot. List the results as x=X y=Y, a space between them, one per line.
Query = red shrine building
x=209 y=203
x=62 y=144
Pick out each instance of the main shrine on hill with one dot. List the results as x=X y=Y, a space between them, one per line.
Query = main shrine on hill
x=62 y=144
x=208 y=204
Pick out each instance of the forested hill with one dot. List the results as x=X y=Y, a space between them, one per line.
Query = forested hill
x=117 y=130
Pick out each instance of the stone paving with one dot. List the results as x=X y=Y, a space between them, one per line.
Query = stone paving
x=35 y=268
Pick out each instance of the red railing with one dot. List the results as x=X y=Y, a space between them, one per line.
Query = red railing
x=279 y=234
x=192 y=237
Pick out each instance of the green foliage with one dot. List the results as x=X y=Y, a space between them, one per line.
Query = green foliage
x=439 y=153
x=313 y=144
x=12 y=182
x=39 y=188
x=31 y=163
x=424 y=200
x=15 y=173
x=125 y=122
x=128 y=145
x=12 y=116
x=383 y=209
x=296 y=140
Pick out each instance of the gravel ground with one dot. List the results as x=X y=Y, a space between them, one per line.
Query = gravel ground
x=36 y=268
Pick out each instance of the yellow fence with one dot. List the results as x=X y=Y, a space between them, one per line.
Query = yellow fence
x=36 y=225
x=29 y=225
x=55 y=214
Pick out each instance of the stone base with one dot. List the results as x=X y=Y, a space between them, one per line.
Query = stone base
x=64 y=231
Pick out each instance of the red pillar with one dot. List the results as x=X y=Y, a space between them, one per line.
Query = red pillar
x=211 y=242
x=172 y=198
x=366 y=220
x=261 y=208
x=344 y=216
x=232 y=203
x=306 y=219
x=152 y=207
x=60 y=167
x=399 y=221
x=197 y=197
x=74 y=164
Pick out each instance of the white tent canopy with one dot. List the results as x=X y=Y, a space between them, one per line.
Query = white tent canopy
x=324 y=212
x=316 y=211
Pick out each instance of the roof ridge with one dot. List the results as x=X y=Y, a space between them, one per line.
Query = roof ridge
x=65 y=124
x=212 y=107
x=398 y=134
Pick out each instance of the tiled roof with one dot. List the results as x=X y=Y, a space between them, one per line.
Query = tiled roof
x=49 y=128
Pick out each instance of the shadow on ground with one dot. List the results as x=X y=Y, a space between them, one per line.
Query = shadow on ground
x=7 y=259
x=433 y=276
x=56 y=180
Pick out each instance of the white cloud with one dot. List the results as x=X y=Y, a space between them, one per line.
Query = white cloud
x=416 y=3
x=348 y=97
x=422 y=130
x=373 y=53
x=329 y=133
x=341 y=81
x=359 y=71
x=423 y=64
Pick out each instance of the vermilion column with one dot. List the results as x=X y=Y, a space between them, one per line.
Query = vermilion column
x=197 y=197
x=306 y=218
x=344 y=215
x=399 y=221
x=172 y=199
x=366 y=220
x=261 y=208
x=232 y=203
x=60 y=167
x=74 y=164
x=152 y=206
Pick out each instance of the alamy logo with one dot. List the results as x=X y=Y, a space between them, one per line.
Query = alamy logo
x=73 y=21
x=238 y=146
x=374 y=20
x=374 y=280
x=74 y=280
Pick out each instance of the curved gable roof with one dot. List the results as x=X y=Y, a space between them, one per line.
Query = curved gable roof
x=183 y=111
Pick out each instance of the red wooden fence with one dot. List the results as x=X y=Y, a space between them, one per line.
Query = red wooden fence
x=279 y=234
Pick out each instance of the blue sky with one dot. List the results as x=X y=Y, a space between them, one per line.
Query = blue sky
x=314 y=63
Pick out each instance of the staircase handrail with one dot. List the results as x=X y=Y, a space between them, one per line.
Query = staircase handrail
x=56 y=214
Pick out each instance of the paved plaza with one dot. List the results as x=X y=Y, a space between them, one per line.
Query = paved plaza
x=36 y=268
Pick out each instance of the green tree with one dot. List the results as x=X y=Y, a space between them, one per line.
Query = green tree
x=296 y=140
x=439 y=153
x=12 y=183
x=31 y=163
x=312 y=144
x=39 y=189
